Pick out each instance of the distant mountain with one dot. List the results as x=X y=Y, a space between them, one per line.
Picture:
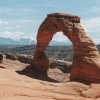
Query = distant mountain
x=28 y=41
x=60 y=43
x=21 y=41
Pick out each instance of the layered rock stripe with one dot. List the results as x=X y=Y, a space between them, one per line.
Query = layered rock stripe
x=86 y=58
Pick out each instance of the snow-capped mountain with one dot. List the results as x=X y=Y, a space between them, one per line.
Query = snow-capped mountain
x=21 y=41
x=28 y=41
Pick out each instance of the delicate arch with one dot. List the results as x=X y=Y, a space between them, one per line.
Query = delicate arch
x=86 y=59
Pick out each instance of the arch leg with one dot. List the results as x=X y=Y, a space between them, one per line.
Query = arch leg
x=44 y=36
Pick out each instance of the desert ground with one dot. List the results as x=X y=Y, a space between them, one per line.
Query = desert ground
x=18 y=85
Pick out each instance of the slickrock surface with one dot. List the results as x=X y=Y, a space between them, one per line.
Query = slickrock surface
x=86 y=58
x=15 y=86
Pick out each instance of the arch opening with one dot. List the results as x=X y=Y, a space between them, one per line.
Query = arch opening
x=60 y=48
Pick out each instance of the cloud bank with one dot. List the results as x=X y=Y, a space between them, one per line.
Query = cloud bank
x=17 y=35
x=3 y=21
x=92 y=28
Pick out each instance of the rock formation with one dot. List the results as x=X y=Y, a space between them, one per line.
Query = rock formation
x=11 y=56
x=86 y=58
x=1 y=57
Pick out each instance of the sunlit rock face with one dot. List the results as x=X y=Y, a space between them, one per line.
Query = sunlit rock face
x=86 y=58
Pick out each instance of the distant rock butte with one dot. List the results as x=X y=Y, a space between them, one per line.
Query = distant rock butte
x=86 y=58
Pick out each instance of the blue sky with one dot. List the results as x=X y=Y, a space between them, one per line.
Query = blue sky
x=22 y=18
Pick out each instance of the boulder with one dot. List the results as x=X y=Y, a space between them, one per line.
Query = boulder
x=25 y=58
x=11 y=56
x=64 y=66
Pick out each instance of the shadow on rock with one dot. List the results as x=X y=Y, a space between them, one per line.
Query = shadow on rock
x=30 y=71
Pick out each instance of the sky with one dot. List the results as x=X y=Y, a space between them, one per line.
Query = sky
x=22 y=18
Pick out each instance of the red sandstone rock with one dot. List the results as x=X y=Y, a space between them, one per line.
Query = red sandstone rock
x=92 y=92
x=86 y=58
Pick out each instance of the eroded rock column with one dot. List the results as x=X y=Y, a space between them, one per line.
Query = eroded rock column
x=86 y=59
x=44 y=36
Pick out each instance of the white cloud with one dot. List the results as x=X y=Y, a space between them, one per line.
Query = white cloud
x=96 y=40
x=3 y=21
x=9 y=34
x=17 y=35
x=18 y=26
x=92 y=27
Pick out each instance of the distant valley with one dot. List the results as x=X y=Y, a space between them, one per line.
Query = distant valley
x=56 y=52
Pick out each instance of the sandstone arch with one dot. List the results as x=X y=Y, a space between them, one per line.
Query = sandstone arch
x=86 y=59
